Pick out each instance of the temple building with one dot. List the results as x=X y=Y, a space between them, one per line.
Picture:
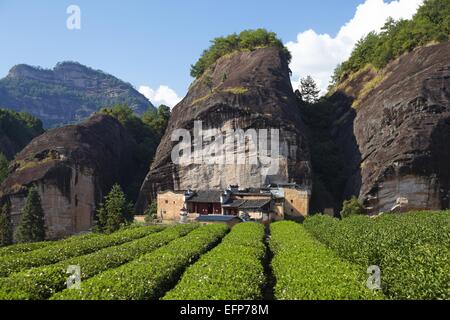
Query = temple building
x=274 y=202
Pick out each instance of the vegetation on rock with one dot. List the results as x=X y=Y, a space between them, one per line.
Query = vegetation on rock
x=431 y=23
x=246 y=40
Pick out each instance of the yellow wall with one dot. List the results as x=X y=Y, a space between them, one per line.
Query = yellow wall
x=169 y=205
x=296 y=202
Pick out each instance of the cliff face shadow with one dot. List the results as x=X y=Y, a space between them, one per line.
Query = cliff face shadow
x=335 y=155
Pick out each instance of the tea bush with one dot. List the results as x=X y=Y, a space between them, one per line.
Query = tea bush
x=150 y=276
x=231 y=271
x=305 y=269
x=42 y=282
x=65 y=250
x=412 y=250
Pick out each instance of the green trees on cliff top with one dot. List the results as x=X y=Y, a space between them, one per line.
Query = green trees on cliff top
x=431 y=23
x=246 y=40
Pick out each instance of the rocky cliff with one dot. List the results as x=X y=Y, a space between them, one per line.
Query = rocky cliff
x=67 y=94
x=393 y=126
x=243 y=90
x=73 y=167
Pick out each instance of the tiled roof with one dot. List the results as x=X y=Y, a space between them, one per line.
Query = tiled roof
x=254 y=204
x=247 y=204
x=233 y=203
x=209 y=196
x=216 y=217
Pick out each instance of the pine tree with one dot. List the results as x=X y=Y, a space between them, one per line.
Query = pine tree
x=308 y=90
x=32 y=224
x=3 y=167
x=114 y=212
x=6 y=230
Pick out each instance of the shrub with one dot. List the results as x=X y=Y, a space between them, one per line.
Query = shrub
x=152 y=274
x=412 y=250
x=351 y=207
x=65 y=250
x=306 y=269
x=231 y=271
x=41 y=283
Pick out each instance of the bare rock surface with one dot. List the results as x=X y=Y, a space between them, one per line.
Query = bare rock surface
x=73 y=167
x=401 y=128
x=244 y=90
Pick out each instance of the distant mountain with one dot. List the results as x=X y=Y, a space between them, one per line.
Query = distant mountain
x=67 y=94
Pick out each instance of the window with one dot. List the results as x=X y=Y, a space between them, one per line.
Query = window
x=292 y=210
x=167 y=201
x=292 y=201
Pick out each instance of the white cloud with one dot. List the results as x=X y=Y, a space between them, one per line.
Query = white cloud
x=318 y=54
x=162 y=95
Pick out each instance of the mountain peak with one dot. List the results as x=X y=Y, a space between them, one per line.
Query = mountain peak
x=68 y=93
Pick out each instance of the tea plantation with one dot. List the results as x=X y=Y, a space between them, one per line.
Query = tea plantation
x=322 y=259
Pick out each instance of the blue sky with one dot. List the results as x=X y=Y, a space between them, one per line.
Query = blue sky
x=153 y=43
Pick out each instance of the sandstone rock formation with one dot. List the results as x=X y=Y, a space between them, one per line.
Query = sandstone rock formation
x=67 y=94
x=244 y=90
x=73 y=167
x=396 y=139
